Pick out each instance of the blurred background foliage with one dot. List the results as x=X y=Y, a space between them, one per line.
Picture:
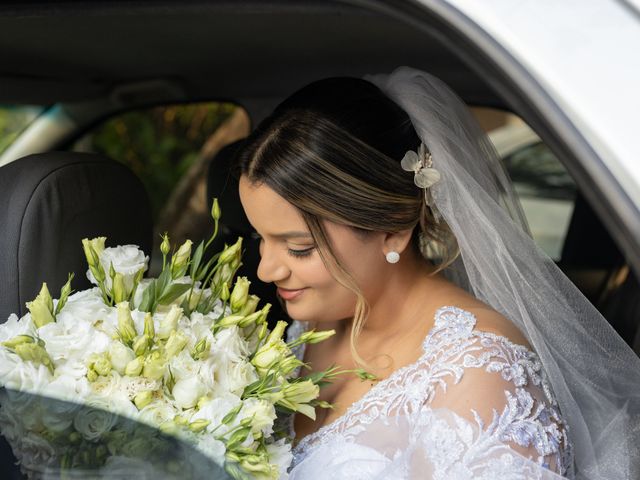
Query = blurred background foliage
x=13 y=120
x=159 y=144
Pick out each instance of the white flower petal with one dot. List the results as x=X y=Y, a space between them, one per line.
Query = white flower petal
x=427 y=177
x=410 y=162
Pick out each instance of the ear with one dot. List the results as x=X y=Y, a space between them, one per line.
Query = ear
x=397 y=242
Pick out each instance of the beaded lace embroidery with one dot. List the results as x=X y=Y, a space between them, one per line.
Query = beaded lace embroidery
x=451 y=347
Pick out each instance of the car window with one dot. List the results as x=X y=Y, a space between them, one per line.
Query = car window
x=544 y=187
x=169 y=147
x=13 y=120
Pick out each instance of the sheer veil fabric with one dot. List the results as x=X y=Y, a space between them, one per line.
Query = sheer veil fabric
x=595 y=376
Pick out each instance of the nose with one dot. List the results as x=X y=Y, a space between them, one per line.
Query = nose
x=271 y=267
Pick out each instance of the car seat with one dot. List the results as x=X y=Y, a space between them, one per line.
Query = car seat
x=51 y=202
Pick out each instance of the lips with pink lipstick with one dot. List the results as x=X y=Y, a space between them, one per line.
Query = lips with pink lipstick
x=288 y=294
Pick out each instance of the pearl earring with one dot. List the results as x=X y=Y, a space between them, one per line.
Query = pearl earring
x=393 y=257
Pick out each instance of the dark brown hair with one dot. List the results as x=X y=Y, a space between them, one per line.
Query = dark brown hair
x=333 y=150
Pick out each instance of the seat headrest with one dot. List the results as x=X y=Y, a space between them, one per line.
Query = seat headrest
x=51 y=202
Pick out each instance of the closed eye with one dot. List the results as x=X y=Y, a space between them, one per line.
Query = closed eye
x=300 y=253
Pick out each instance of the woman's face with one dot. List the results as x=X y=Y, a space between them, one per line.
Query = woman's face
x=290 y=260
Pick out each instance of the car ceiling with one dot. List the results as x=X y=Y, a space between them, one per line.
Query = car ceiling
x=72 y=51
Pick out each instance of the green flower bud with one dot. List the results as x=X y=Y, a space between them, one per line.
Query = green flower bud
x=180 y=420
x=298 y=395
x=250 y=319
x=201 y=350
x=223 y=275
x=143 y=399
x=165 y=246
x=126 y=328
x=75 y=438
x=149 y=327
x=42 y=308
x=216 y=213
x=229 y=254
x=92 y=375
x=154 y=366
x=176 y=342
x=264 y=328
x=102 y=365
x=316 y=337
x=277 y=332
x=170 y=322
x=250 y=305
x=118 y=289
x=95 y=245
x=228 y=321
x=199 y=425
x=134 y=367
x=18 y=340
x=34 y=352
x=240 y=294
x=180 y=259
x=224 y=292
x=141 y=345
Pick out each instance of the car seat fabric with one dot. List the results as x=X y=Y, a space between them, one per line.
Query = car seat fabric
x=222 y=183
x=51 y=202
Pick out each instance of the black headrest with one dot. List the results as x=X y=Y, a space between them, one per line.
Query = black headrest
x=51 y=202
x=222 y=183
x=588 y=244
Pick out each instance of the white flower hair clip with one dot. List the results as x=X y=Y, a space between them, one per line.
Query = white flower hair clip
x=421 y=164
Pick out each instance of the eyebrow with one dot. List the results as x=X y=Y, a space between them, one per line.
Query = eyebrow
x=287 y=235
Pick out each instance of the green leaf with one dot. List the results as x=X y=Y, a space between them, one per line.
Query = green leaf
x=195 y=261
x=148 y=298
x=173 y=292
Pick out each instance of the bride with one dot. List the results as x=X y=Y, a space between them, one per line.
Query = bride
x=385 y=214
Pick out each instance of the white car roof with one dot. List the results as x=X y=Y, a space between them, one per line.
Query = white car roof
x=585 y=55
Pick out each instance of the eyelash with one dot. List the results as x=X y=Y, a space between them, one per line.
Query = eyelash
x=294 y=253
x=300 y=253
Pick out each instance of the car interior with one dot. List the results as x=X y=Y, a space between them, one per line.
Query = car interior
x=87 y=63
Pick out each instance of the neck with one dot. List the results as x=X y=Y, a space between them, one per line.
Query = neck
x=408 y=295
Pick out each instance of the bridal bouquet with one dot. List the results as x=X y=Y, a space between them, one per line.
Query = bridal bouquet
x=188 y=353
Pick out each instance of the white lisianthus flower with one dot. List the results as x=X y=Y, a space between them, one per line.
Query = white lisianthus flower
x=214 y=411
x=232 y=377
x=92 y=423
x=14 y=327
x=69 y=387
x=183 y=366
x=280 y=455
x=228 y=343
x=107 y=386
x=157 y=412
x=73 y=368
x=120 y=355
x=188 y=391
x=86 y=305
x=262 y=413
x=71 y=338
x=35 y=451
x=16 y=374
x=126 y=260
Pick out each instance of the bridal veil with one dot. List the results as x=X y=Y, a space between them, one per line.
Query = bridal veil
x=595 y=376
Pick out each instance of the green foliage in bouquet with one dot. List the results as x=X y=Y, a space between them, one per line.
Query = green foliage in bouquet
x=192 y=318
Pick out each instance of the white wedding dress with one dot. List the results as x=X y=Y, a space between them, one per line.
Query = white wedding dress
x=474 y=405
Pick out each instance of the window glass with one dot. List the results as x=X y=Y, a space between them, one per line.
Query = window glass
x=169 y=148
x=544 y=187
x=13 y=120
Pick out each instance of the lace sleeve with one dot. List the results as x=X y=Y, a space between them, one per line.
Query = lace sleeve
x=475 y=405
x=492 y=403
